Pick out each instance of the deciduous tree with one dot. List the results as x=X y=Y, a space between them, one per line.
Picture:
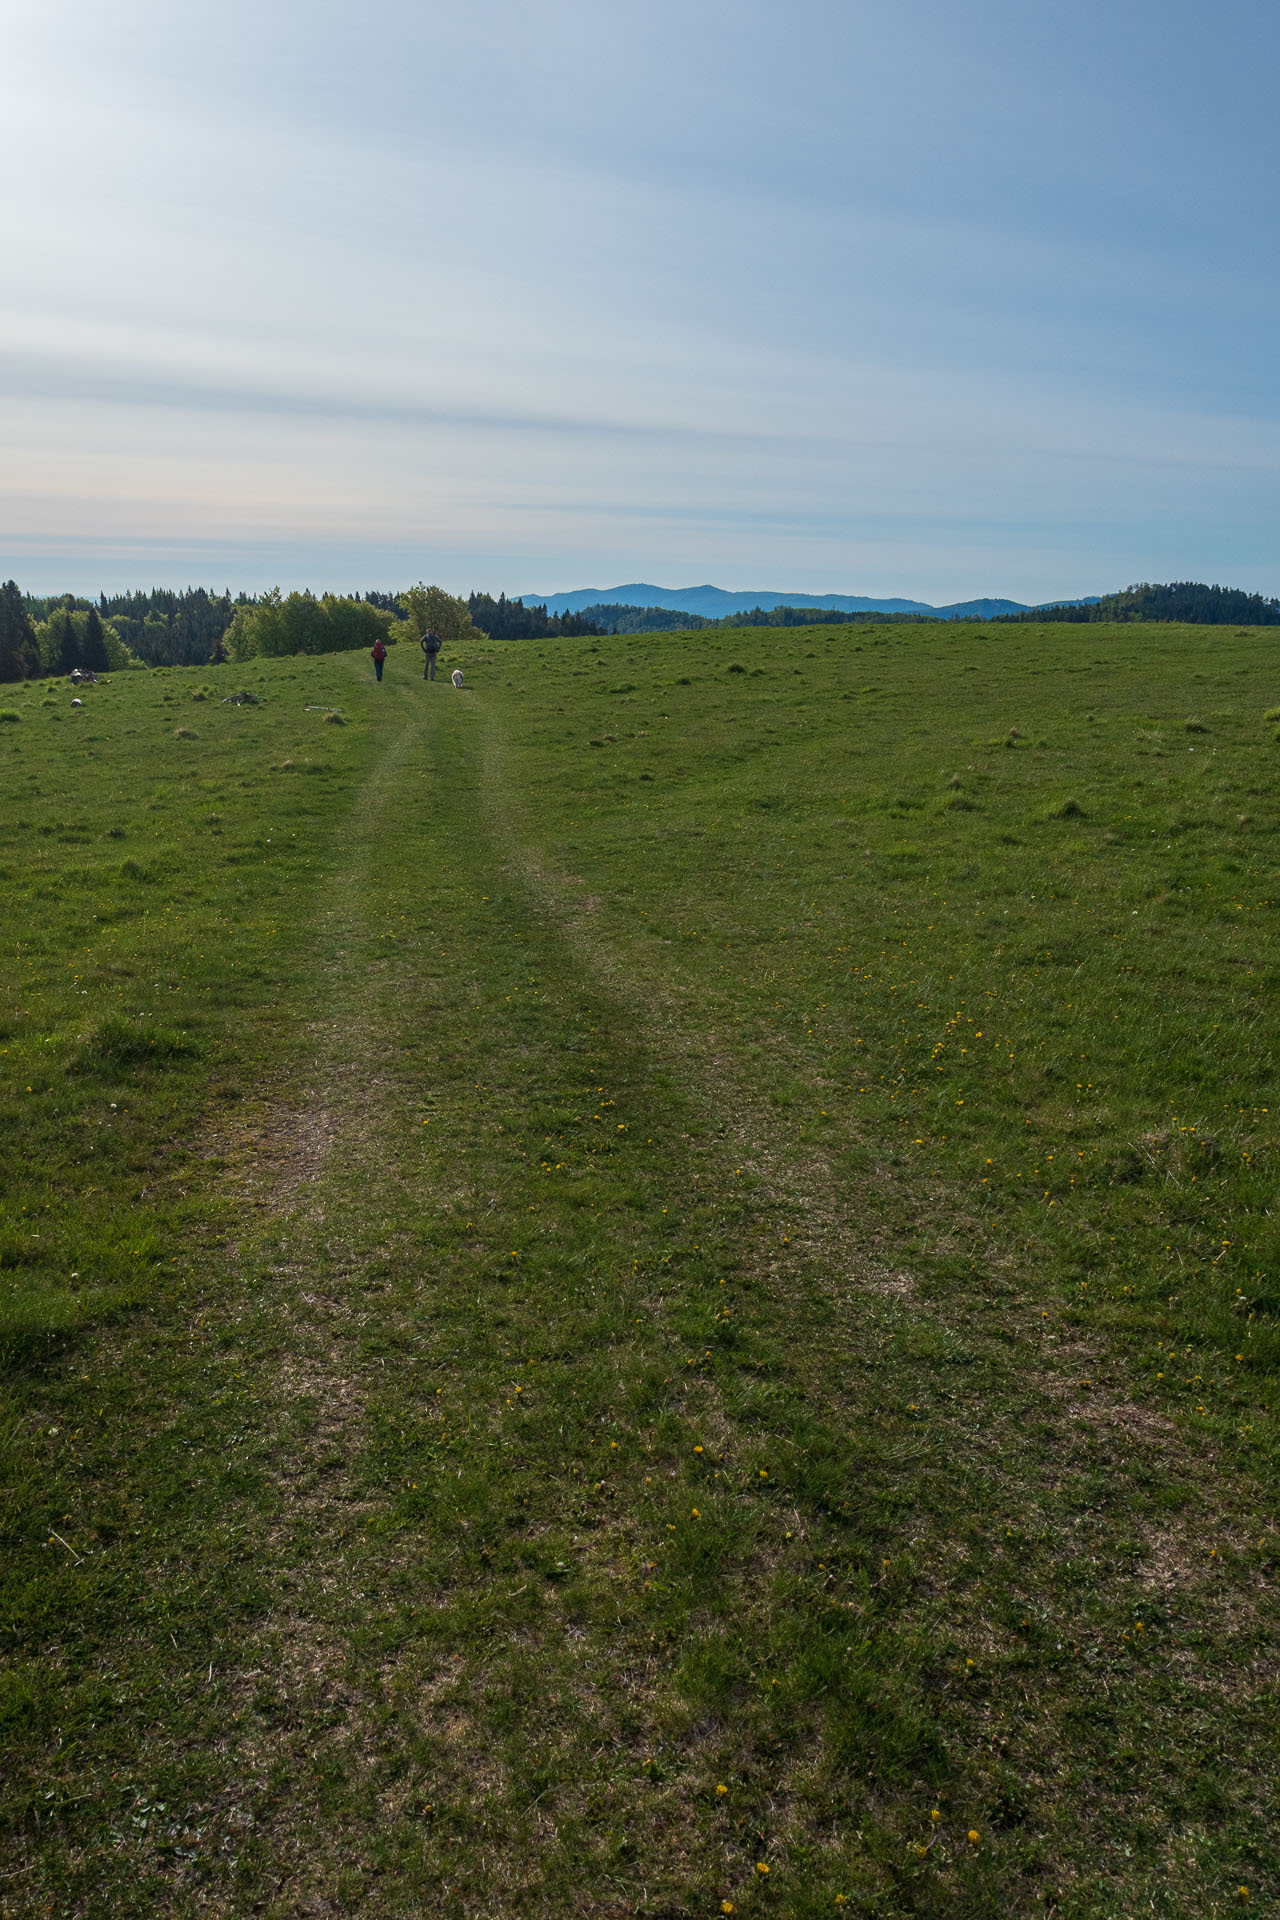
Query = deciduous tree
x=444 y=613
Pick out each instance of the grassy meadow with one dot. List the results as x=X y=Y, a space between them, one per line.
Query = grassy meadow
x=651 y=1288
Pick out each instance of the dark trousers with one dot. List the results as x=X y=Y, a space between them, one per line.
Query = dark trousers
x=377 y=667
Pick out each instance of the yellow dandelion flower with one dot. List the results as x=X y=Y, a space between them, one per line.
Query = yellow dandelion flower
x=762 y=1868
x=727 y=1906
x=695 y=1513
x=722 y=1789
x=973 y=1836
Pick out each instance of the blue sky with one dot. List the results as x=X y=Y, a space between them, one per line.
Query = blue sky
x=885 y=296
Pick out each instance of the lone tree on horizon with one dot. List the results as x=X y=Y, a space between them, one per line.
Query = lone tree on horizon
x=443 y=613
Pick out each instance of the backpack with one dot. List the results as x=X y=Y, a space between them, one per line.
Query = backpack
x=379 y=651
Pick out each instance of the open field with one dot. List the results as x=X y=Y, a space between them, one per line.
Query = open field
x=652 y=1288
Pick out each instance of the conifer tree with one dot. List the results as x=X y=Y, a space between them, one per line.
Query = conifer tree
x=93 y=649
x=68 y=646
x=19 y=654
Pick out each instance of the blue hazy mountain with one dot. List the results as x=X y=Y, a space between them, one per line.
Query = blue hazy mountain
x=714 y=603
x=978 y=609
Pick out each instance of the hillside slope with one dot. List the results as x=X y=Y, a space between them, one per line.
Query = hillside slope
x=653 y=1270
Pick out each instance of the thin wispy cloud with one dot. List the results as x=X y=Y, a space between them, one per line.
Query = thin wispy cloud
x=929 y=299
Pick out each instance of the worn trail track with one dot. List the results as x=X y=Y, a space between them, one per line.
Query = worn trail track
x=466 y=1517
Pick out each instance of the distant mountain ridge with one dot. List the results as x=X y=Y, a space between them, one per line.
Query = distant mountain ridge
x=715 y=603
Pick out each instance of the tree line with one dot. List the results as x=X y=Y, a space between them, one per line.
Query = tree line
x=614 y=617
x=166 y=628
x=64 y=635
x=504 y=619
x=1187 y=601
x=56 y=634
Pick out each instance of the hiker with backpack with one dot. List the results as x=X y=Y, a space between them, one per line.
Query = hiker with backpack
x=430 y=648
x=378 y=652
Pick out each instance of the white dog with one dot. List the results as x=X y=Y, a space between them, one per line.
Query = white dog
x=457 y=677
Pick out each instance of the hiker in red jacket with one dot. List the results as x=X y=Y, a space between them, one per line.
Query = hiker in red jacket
x=379 y=652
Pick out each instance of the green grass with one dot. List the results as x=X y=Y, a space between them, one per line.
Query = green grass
x=696 y=1216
